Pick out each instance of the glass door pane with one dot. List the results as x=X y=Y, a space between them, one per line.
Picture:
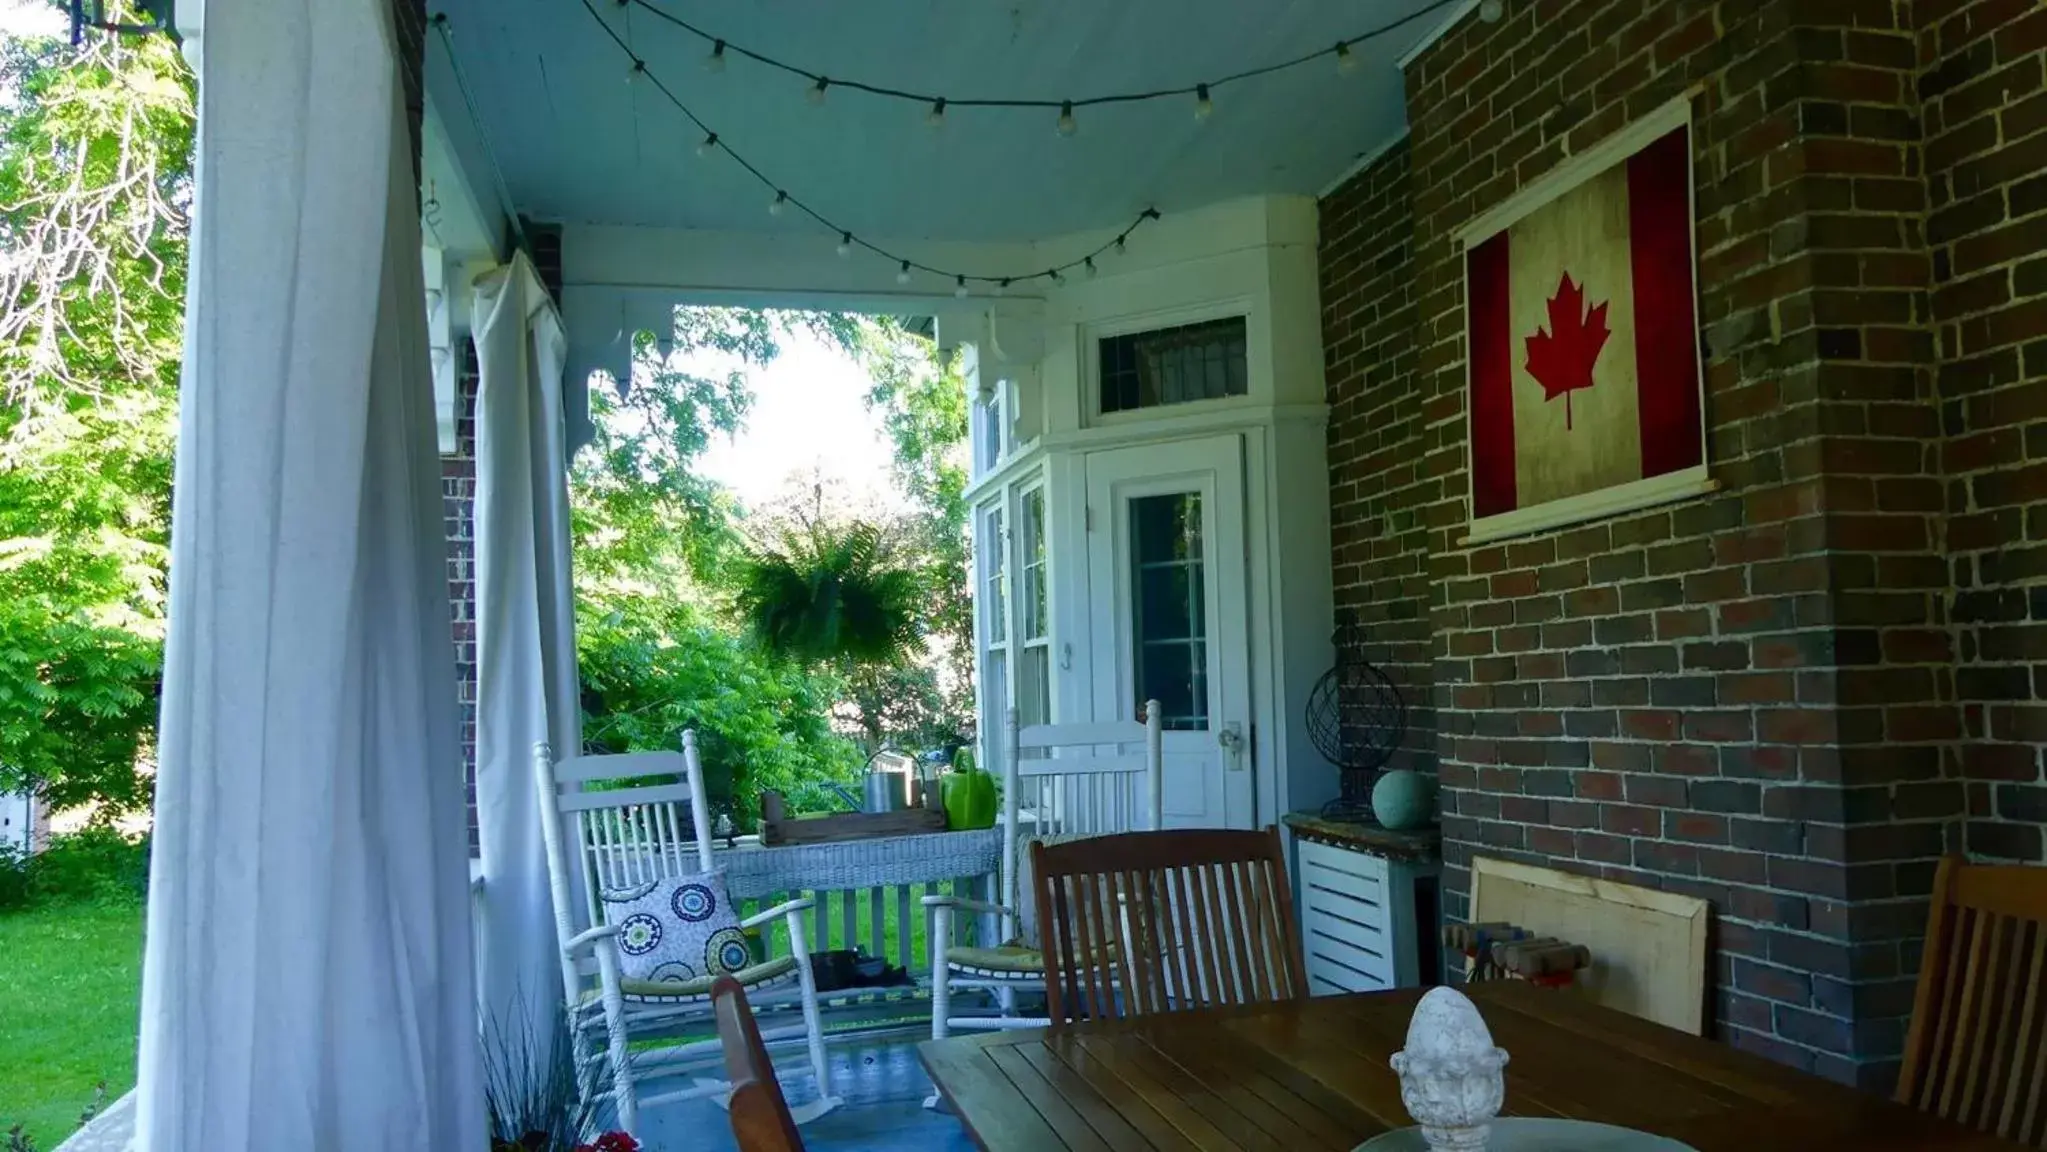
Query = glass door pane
x=1169 y=607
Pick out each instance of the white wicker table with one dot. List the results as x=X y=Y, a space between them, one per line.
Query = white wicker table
x=752 y=870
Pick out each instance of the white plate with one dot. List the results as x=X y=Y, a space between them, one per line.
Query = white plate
x=1531 y=1134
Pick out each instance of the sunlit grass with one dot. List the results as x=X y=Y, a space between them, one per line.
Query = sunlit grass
x=70 y=982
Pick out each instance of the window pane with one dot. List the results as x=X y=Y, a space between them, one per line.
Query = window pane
x=1034 y=686
x=1203 y=361
x=1033 y=549
x=994 y=580
x=1170 y=608
x=995 y=694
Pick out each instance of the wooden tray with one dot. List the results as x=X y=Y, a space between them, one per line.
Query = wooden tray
x=777 y=827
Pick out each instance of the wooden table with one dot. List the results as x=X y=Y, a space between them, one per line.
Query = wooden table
x=1314 y=1075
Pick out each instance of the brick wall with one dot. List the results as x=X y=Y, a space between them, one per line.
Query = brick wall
x=1758 y=697
x=1984 y=112
x=1378 y=487
x=458 y=501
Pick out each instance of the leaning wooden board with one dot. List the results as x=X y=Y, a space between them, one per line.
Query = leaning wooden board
x=778 y=827
x=1648 y=947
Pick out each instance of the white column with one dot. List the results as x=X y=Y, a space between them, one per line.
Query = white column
x=307 y=982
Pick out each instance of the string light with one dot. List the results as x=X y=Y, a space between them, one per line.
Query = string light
x=816 y=93
x=783 y=200
x=715 y=62
x=1091 y=269
x=1203 y=106
x=1002 y=286
x=1346 y=61
x=638 y=69
x=936 y=117
x=1066 y=124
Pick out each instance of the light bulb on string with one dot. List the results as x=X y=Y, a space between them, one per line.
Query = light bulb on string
x=1120 y=246
x=1089 y=264
x=638 y=69
x=775 y=206
x=1056 y=277
x=1203 y=106
x=960 y=287
x=715 y=62
x=936 y=117
x=903 y=273
x=1346 y=62
x=1002 y=286
x=816 y=93
x=845 y=248
x=1066 y=124
x=709 y=142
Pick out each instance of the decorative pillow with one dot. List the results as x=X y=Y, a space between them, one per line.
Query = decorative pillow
x=676 y=930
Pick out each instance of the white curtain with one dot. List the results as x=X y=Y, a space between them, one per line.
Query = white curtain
x=526 y=688
x=308 y=982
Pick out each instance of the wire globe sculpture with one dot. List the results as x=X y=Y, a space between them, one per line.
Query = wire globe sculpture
x=1357 y=718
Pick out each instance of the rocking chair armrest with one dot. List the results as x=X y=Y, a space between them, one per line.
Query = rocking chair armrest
x=588 y=937
x=967 y=904
x=794 y=907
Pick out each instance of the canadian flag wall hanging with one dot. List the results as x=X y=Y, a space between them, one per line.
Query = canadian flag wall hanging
x=1585 y=390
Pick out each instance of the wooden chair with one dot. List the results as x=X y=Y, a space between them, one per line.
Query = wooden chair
x=601 y=840
x=760 y=1115
x=1059 y=781
x=1977 y=1049
x=1171 y=920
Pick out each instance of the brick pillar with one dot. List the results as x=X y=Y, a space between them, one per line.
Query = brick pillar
x=1785 y=697
x=458 y=497
x=1984 y=111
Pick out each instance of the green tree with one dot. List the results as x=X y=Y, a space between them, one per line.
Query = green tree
x=95 y=174
x=923 y=403
x=656 y=549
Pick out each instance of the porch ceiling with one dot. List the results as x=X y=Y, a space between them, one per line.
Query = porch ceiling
x=579 y=144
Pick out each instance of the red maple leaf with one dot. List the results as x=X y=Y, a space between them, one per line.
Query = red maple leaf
x=1561 y=357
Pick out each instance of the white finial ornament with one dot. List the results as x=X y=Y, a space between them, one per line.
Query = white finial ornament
x=1451 y=1075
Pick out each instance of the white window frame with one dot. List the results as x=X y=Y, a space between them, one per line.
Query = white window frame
x=1256 y=391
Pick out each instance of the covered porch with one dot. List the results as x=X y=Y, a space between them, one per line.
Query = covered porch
x=1216 y=345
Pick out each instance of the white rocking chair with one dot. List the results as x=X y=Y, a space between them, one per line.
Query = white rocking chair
x=1081 y=780
x=620 y=838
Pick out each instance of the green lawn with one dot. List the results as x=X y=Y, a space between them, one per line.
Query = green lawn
x=70 y=979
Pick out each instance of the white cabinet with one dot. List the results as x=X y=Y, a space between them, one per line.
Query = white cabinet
x=1365 y=920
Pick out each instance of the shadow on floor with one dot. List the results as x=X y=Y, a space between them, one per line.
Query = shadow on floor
x=883 y=1086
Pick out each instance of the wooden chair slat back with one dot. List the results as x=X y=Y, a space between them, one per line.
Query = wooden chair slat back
x=760 y=1115
x=1977 y=1049
x=1151 y=922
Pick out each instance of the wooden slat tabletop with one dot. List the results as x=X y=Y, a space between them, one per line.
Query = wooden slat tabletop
x=1314 y=1075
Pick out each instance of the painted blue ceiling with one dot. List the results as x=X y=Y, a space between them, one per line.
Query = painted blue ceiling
x=578 y=143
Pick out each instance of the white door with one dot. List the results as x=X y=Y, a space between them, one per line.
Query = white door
x=1167 y=615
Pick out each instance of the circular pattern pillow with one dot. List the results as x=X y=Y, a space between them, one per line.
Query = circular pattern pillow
x=677 y=930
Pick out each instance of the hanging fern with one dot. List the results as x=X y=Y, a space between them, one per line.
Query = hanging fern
x=831 y=595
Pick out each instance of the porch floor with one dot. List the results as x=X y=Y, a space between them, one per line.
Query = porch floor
x=883 y=1086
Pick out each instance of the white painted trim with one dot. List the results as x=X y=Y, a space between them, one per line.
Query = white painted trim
x=1629 y=497
x=1365 y=160
x=1577 y=170
x=1429 y=38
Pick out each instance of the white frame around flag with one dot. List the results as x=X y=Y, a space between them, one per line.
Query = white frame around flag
x=1638 y=494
